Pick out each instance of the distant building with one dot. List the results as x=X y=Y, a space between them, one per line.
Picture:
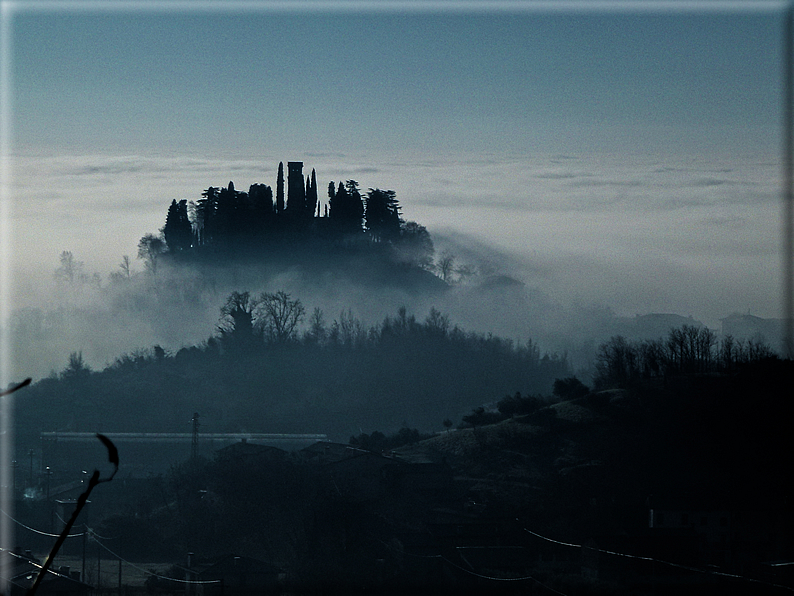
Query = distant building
x=296 y=191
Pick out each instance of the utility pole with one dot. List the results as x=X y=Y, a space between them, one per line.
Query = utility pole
x=788 y=182
x=48 y=473
x=194 y=441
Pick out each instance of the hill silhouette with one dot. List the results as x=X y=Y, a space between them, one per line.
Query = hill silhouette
x=337 y=378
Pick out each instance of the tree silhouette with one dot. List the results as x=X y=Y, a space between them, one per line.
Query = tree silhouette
x=226 y=214
x=446 y=266
x=150 y=249
x=312 y=203
x=436 y=323
x=205 y=215
x=346 y=207
x=178 y=232
x=76 y=368
x=356 y=205
x=278 y=316
x=237 y=318
x=331 y=197
x=686 y=350
x=414 y=245
x=70 y=271
x=382 y=215
x=125 y=270
x=280 y=189
x=317 y=332
x=260 y=198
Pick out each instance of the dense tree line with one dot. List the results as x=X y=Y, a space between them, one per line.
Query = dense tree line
x=227 y=218
x=274 y=367
x=686 y=350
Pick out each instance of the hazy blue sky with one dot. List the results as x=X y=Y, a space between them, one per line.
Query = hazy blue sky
x=629 y=155
x=373 y=82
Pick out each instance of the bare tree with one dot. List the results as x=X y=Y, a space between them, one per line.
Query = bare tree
x=317 y=332
x=437 y=323
x=278 y=316
x=349 y=330
x=150 y=248
x=446 y=266
x=70 y=271
x=126 y=266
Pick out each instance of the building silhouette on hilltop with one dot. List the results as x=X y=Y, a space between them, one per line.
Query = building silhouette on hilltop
x=296 y=191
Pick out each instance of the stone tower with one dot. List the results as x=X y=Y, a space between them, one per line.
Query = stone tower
x=296 y=191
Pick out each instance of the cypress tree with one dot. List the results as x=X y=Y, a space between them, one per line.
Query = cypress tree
x=311 y=195
x=177 y=231
x=280 y=189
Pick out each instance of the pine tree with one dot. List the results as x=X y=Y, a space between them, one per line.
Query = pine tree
x=205 y=215
x=356 y=208
x=382 y=215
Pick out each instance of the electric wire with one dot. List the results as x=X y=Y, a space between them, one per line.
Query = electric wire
x=37 y=565
x=19 y=523
x=509 y=579
x=469 y=571
x=89 y=531
x=151 y=573
x=678 y=565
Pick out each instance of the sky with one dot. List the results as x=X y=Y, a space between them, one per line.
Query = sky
x=617 y=154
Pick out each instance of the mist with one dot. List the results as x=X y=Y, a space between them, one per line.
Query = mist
x=549 y=247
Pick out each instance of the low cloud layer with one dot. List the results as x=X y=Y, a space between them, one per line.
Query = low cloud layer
x=637 y=235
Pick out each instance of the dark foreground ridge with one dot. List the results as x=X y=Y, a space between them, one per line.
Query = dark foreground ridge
x=669 y=480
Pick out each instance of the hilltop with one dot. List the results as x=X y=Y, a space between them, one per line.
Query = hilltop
x=354 y=231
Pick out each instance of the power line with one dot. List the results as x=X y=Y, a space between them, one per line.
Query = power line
x=687 y=567
x=16 y=521
x=88 y=530
x=471 y=572
x=151 y=573
x=36 y=565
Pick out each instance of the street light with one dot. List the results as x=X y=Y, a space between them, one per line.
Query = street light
x=48 y=472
